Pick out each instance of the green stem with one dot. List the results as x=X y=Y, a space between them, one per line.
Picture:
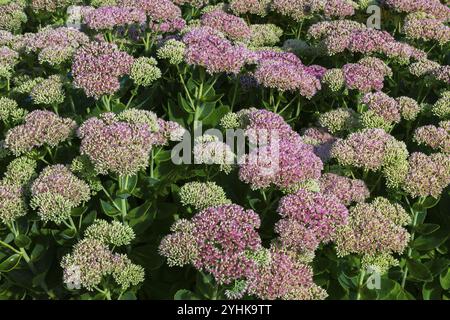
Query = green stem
x=362 y=274
x=415 y=216
x=123 y=202
x=9 y=247
x=151 y=164
x=111 y=199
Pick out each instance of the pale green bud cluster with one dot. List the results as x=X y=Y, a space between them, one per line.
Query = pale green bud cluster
x=137 y=116
x=264 y=35
x=339 y=120
x=202 y=195
x=230 y=121
x=309 y=184
x=370 y=119
x=441 y=108
x=49 y=91
x=114 y=233
x=10 y=112
x=395 y=167
x=172 y=50
x=126 y=273
x=24 y=84
x=380 y=263
x=334 y=79
x=144 y=71
x=20 y=171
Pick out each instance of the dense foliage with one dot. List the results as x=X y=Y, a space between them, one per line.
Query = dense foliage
x=342 y=192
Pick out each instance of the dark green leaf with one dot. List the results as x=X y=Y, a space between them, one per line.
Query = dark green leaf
x=22 y=241
x=418 y=270
x=184 y=294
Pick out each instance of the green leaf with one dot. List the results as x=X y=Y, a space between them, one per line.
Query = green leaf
x=429 y=242
x=444 y=279
x=184 y=104
x=129 y=295
x=184 y=294
x=69 y=234
x=404 y=295
x=10 y=263
x=427 y=228
x=431 y=292
x=418 y=270
x=78 y=211
x=22 y=241
x=347 y=282
x=206 y=285
x=430 y=202
x=37 y=252
x=108 y=209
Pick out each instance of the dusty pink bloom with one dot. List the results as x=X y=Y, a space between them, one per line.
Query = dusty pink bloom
x=97 y=67
x=109 y=17
x=435 y=137
x=224 y=234
x=233 y=27
x=40 y=128
x=427 y=175
x=345 y=189
x=283 y=277
x=383 y=105
x=282 y=164
x=115 y=146
x=206 y=48
x=313 y=211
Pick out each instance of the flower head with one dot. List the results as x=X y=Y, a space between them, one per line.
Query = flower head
x=97 y=67
x=114 y=233
x=202 y=195
x=282 y=164
x=48 y=91
x=144 y=71
x=283 y=277
x=207 y=48
x=116 y=146
x=172 y=50
x=427 y=175
x=314 y=215
x=233 y=27
x=345 y=189
x=56 y=191
x=40 y=128
x=374 y=229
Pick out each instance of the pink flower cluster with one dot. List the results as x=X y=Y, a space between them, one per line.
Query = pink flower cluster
x=383 y=105
x=205 y=47
x=262 y=126
x=54 y=45
x=233 y=27
x=426 y=27
x=337 y=36
x=158 y=10
x=115 y=146
x=105 y=18
x=283 y=277
x=433 y=7
x=285 y=72
x=97 y=67
x=220 y=240
x=224 y=234
x=40 y=128
x=309 y=218
x=345 y=189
